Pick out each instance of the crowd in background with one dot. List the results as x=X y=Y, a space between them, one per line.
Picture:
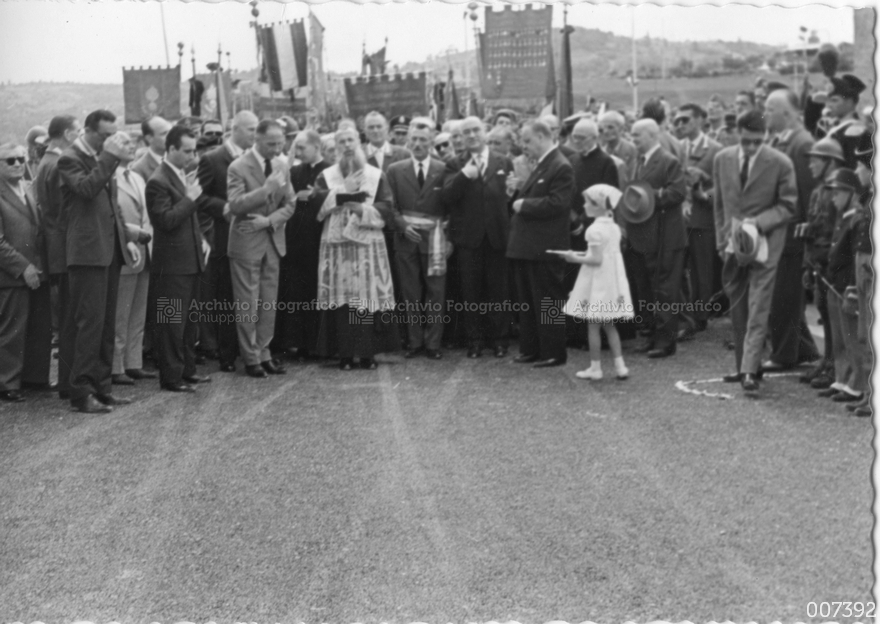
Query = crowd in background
x=143 y=256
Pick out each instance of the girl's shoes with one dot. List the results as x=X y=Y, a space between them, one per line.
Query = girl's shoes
x=622 y=372
x=594 y=373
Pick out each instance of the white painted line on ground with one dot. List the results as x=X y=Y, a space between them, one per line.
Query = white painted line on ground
x=684 y=386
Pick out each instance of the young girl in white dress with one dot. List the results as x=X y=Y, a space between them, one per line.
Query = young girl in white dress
x=601 y=296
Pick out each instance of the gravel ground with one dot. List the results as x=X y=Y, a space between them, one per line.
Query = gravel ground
x=451 y=491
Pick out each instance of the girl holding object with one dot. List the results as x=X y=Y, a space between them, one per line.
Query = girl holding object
x=601 y=294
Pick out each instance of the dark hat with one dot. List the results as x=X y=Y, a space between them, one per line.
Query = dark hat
x=828 y=147
x=751 y=121
x=400 y=120
x=637 y=204
x=847 y=86
x=843 y=179
x=773 y=85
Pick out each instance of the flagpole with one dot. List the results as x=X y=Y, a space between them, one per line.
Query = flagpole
x=164 y=34
x=635 y=67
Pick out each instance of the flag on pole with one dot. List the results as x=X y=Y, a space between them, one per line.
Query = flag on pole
x=209 y=98
x=566 y=95
x=285 y=55
x=150 y=92
x=317 y=79
x=374 y=64
x=451 y=100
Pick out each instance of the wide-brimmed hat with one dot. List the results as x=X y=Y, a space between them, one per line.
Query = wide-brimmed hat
x=748 y=245
x=637 y=204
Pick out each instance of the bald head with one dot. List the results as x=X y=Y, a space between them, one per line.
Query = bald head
x=781 y=110
x=244 y=129
x=644 y=134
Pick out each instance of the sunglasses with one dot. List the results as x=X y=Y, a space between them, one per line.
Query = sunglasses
x=213 y=134
x=440 y=146
x=681 y=121
x=15 y=159
x=755 y=142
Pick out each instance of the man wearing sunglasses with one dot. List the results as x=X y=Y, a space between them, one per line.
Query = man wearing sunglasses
x=213 y=130
x=753 y=184
x=25 y=316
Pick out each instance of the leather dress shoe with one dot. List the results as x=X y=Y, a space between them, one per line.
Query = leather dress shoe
x=846 y=397
x=369 y=364
x=43 y=387
x=411 y=353
x=254 y=370
x=500 y=351
x=864 y=402
x=645 y=347
x=774 y=367
x=522 y=358
x=197 y=379
x=346 y=364
x=732 y=378
x=549 y=363
x=139 y=373
x=474 y=352
x=749 y=382
x=272 y=368
x=828 y=392
x=227 y=367
x=178 y=387
x=863 y=411
x=662 y=353
x=90 y=405
x=433 y=354
x=11 y=396
x=822 y=382
x=121 y=380
x=109 y=399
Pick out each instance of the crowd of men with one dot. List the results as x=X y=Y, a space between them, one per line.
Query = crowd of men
x=190 y=243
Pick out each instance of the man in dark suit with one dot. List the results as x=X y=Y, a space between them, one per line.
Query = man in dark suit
x=658 y=244
x=297 y=324
x=479 y=226
x=790 y=338
x=702 y=262
x=97 y=245
x=63 y=131
x=25 y=315
x=540 y=223
x=420 y=244
x=754 y=184
x=220 y=334
x=382 y=154
x=179 y=256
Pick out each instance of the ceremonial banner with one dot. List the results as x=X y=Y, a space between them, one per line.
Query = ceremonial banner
x=400 y=95
x=516 y=54
x=317 y=79
x=150 y=92
x=210 y=96
x=285 y=55
x=273 y=108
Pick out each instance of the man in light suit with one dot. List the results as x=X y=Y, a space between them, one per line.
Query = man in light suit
x=756 y=184
x=699 y=213
x=154 y=131
x=382 y=154
x=216 y=285
x=98 y=244
x=420 y=247
x=658 y=244
x=131 y=302
x=540 y=223
x=25 y=315
x=261 y=200
x=479 y=226
x=790 y=337
x=63 y=131
x=180 y=254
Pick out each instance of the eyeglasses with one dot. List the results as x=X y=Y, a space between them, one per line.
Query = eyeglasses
x=213 y=133
x=15 y=159
x=579 y=137
x=681 y=121
x=747 y=142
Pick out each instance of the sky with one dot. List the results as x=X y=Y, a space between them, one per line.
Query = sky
x=80 y=42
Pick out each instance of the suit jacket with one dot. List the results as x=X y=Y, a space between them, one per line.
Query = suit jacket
x=701 y=155
x=244 y=180
x=478 y=208
x=796 y=144
x=409 y=198
x=671 y=144
x=567 y=151
x=213 y=169
x=627 y=152
x=397 y=154
x=146 y=165
x=22 y=238
x=597 y=167
x=131 y=195
x=543 y=221
x=664 y=231
x=47 y=190
x=89 y=200
x=177 y=242
x=769 y=196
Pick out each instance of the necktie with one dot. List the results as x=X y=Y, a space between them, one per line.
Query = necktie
x=641 y=165
x=267 y=169
x=478 y=164
x=421 y=176
x=744 y=173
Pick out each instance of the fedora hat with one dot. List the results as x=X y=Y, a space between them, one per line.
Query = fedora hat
x=748 y=245
x=637 y=205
